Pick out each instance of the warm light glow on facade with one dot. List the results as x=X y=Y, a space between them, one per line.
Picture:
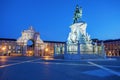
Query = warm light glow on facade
x=109 y=53
x=30 y=53
x=46 y=49
x=4 y=48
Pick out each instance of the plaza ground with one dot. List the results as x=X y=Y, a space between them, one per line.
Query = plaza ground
x=36 y=68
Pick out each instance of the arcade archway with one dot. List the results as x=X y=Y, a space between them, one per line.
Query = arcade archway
x=30 y=48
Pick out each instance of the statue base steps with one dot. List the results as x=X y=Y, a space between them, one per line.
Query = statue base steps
x=59 y=56
x=82 y=56
x=72 y=56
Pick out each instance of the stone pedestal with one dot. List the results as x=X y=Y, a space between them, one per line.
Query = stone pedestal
x=85 y=49
x=72 y=55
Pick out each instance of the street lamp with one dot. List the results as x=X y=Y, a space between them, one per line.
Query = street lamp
x=3 y=49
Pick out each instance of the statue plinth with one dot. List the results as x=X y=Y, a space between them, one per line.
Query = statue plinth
x=78 y=33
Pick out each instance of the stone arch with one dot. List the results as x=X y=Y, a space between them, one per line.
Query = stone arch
x=30 y=47
x=27 y=35
x=30 y=42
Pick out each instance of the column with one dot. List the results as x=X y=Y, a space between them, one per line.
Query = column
x=65 y=48
x=24 y=49
x=55 y=49
x=78 y=47
x=96 y=48
x=103 y=50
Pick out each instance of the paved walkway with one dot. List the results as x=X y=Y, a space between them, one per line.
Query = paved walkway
x=35 y=68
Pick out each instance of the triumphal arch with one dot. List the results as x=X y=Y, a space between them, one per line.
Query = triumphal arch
x=37 y=46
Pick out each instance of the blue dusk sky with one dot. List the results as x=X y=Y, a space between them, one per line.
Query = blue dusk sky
x=52 y=18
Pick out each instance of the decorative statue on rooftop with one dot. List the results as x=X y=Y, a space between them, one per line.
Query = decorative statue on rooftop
x=77 y=15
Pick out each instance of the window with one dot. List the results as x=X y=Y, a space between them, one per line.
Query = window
x=13 y=47
x=9 y=47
